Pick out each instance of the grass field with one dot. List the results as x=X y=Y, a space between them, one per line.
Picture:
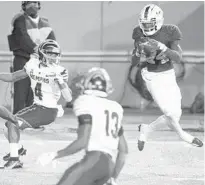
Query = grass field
x=166 y=160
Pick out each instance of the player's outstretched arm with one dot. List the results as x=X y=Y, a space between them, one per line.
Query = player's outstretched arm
x=84 y=129
x=121 y=157
x=66 y=92
x=13 y=77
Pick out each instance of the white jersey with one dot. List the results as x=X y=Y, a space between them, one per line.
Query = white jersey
x=106 y=122
x=46 y=91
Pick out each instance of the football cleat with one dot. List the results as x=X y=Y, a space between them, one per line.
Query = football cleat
x=141 y=145
x=13 y=163
x=196 y=142
x=21 y=151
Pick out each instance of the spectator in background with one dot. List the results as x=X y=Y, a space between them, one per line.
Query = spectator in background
x=29 y=30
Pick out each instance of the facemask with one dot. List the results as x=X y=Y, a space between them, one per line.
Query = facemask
x=32 y=11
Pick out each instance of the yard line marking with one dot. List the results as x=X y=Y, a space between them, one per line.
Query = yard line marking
x=183 y=179
x=132 y=141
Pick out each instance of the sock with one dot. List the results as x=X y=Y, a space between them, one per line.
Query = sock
x=14 y=149
x=182 y=134
x=158 y=123
x=6 y=135
x=20 y=146
x=7 y=115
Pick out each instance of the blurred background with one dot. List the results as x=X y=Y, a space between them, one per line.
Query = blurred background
x=100 y=34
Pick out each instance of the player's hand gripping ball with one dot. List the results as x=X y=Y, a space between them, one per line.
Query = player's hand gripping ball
x=148 y=47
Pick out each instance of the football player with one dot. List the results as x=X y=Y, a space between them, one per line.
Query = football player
x=157 y=44
x=48 y=82
x=100 y=134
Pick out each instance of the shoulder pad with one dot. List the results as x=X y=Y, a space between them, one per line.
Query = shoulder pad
x=31 y=64
x=82 y=105
x=137 y=33
x=120 y=107
x=44 y=19
x=18 y=16
x=33 y=61
x=173 y=31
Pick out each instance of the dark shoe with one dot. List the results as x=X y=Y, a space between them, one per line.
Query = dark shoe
x=13 y=163
x=142 y=137
x=196 y=142
x=21 y=152
x=141 y=145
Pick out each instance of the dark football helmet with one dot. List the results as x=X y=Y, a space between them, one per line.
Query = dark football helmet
x=24 y=3
x=49 y=52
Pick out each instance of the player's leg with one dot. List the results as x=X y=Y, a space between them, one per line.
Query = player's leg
x=20 y=87
x=94 y=169
x=21 y=150
x=168 y=97
x=30 y=117
x=153 y=86
x=13 y=135
x=146 y=129
x=29 y=97
x=7 y=115
x=13 y=138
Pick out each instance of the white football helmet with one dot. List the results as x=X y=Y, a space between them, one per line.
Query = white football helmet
x=151 y=19
x=49 y=52
x=97 y=82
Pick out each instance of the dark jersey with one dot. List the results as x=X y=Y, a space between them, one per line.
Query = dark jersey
x=26 y=34
x=167 y=34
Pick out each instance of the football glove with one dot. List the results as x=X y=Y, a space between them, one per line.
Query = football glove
x=46 y=158
x=150 y=47
x=111 y=181
x=60 y=111
x=62 y=77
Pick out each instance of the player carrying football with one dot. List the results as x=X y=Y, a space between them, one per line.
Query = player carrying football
x=99 y=133
x=48 y=81
x=158 y=45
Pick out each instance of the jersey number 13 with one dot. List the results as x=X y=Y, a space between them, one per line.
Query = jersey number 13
x=112 y=122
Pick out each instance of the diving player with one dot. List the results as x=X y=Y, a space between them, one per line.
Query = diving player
x=48 y=82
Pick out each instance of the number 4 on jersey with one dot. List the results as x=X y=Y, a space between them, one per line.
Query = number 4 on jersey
x=38 y=91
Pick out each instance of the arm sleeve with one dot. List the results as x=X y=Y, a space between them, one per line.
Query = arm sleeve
x=22 y=36
x=65 y=75
x=84 y=119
